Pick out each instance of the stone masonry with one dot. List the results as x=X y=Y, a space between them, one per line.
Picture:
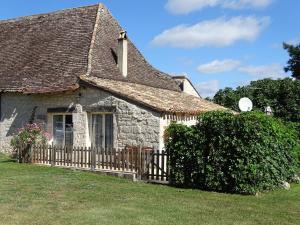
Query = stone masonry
x=133 y=124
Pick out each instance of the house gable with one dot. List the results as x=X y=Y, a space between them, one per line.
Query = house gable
x=48 y=52
x=186 y=85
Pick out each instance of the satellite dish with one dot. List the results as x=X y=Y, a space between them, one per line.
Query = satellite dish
x=245 y=105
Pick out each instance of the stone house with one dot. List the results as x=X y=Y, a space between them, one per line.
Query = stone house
x=85 y=81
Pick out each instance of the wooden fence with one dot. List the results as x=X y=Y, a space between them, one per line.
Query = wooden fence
x=158 y=167
x=146 y=163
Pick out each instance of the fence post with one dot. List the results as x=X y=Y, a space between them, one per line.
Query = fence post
x=28 y=156
x=152 y=164
x=139 y=164
x=142 y=163
x=53 y=154
x=93 y=158
x=168 y=166
x=18 y=154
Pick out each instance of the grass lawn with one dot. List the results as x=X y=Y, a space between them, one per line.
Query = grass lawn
x=40 y=195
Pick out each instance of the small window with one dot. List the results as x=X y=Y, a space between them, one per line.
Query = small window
x=102 y=130
x=63 y=130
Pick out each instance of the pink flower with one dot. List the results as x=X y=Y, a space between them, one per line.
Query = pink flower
x=47 y=136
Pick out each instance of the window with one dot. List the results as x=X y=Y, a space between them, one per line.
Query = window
x=63 y=130
x=102 y=130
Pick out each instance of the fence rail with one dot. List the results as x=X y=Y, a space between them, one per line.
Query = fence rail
x=146 y=163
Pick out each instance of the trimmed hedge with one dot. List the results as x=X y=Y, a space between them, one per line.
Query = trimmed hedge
x=244 y=153
x=295 y=126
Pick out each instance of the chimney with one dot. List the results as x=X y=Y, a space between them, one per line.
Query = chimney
x=123 y=53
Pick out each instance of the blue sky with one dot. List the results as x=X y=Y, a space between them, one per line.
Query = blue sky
x=216 y=43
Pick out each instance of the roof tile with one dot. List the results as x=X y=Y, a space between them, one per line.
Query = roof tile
x=158 y=99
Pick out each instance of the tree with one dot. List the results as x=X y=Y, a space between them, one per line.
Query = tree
x=227 y=97
x=293 y=65
x=282 y=95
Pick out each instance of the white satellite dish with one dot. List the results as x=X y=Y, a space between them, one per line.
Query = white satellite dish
x=245 y=105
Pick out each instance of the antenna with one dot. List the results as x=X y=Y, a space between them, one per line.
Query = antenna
x=245 y=105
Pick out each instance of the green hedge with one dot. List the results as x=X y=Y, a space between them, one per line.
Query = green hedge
x=243 y=153
x=295 y=126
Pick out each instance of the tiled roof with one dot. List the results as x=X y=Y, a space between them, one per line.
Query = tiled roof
x=54 y=52
x=48 y=52
x=45 y=53
x=104 y=57
x=158 y=99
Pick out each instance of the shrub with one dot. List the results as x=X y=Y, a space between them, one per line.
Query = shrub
x=295 y=126
x=183 y=159
x=27 y=136
x=243 y=153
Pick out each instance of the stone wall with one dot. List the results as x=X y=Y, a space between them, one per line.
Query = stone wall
x=17 y=109
x=133 y=124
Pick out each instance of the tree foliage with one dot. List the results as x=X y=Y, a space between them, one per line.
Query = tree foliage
x=293 y=65
x=282 y=95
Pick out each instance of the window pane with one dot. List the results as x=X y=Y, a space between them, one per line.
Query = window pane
x=58 y=130
x=97 y=134
x=108 y=131
x=69 y=131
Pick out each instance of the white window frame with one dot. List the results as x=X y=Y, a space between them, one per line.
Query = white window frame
x=103 y=127
x=64 y=123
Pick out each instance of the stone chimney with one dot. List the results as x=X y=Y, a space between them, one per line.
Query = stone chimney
x=123 y=53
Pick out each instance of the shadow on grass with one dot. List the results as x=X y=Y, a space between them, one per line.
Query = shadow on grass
x=6 y=159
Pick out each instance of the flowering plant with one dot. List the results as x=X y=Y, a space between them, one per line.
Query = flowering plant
x=27 y=136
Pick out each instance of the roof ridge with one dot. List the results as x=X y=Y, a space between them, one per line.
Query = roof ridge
x=101 y=7
x=90 y=78
x=29 y=17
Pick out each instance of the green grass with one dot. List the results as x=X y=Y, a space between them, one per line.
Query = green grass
x=40 y=195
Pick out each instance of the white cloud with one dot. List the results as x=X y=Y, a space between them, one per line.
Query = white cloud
x=187 y=6
x=220 y=32
x=294 y=41
x=208 y=89
x=186 y=61
x=218 y=66
x=240 y=4
x=264 y=71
